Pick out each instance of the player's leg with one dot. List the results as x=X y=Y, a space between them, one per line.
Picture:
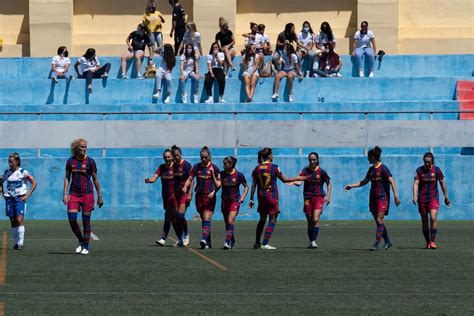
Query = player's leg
x=269 y=231
x=166 y=224
x=260 y=227
x=73 y=208
x=378 y=217
x=86 y=223
x=315 y=229
x=182 y=222
x=206 y=229
x=433 y=227
x=424 y=224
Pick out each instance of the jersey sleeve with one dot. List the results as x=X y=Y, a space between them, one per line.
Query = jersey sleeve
x=217 y=172
x=193 y=171
x=367 y=176
x=68 y=165
x=93 y=166
x=26 y=174
x=439 y=174
x=326 y=177
x=303 y=173
x=158 y=171
x=277 y=170
x=417 y=174
x=242 y=178
x=386 y=172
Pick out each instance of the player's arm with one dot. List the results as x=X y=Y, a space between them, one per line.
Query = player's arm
x=188 y=182
x=415 y=191
x=34 y=184
x=357 y=184
x=246 y=191
x=287 y=180
x=445 y=191
x=328 y=195
x=95 y=179
x=66 y=186
x=394 y=189
x=152 y=179
x=189 y=193
x=217 y=181
x=252 y=192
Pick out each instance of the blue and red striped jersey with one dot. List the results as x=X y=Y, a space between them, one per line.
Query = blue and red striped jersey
x=428 y=183
x=266 y=175
x=204 y=182
x=81 y=172
x=167 y=179
x=230 y=185
x=181 y=174
x=380 y=186
x=315 y=180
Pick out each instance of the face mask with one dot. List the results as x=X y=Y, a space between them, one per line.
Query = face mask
x=216 y=51
x=189 y=50
x=306 y=29
x=66 y=53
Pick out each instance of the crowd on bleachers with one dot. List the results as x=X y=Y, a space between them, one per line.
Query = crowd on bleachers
x=302 y=54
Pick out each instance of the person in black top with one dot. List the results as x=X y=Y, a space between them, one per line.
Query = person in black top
x=225 y=38
x=136 y=42
x=179 y=24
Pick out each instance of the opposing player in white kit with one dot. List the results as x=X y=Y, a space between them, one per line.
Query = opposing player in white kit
x=16 y=195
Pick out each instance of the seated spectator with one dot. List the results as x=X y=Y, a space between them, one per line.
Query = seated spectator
x=289 y=66
x=265 y=40
x=168 y=61
x=324 y=36
x=288 y=36
x=215 y=66
x=153 y=19
x=88 y=67
x=329 y=63
x=60 y=65
x=225 y=39
x=193 y=37
x=364 y=44
x=252 y=62
x=136 y=42
x=189 y=67
x=251 y=38
x=305 y=49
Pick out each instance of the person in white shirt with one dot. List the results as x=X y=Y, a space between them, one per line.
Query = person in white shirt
x=251 y=38
x=60 y=65
x=266 y=45
x=305 y=48
x=290 y=67
x=166 y=67
x=189 y=68
x=252 y=62
x=325 y=36
x=215 y=66
x=193 y=37
x=364 y=44
x=16 y=194
x=88 y=67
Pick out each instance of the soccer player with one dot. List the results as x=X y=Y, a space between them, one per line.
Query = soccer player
x=206 y=173
x=80 y=168
x=426 y=195
x=314 y=195
x=16 y=195
x=166 y=172
x=380 y=179
x=182 y=169
x=264 y=179
x=230 y=181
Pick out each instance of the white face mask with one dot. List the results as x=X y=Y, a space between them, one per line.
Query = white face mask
x=306 y=29
x=189 y=50
x=216 y=51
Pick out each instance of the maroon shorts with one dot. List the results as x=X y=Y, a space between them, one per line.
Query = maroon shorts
x=182 y=198
x=205 y=204
x=268 y=206
x=379 y=206
x=170 y=203
x=228 y=206
x=313 y=203
x=84 y=203
x=426 y=207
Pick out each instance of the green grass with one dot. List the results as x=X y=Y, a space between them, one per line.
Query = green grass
x=126 y=273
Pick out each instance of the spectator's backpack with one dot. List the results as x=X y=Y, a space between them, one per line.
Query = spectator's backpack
x=150 y=71
x=268 y=70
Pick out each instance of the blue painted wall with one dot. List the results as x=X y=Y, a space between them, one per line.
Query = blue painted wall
x=128 y=198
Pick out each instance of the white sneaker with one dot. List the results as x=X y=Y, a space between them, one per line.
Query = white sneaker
x=371 y=74
x=185 y=98
x=124 y=76
x=221 y=100
x=227 y=246
x=307 y=74
x=203 y=244
x=167 y=100
x=313 y=245
x=157 y=95
x=161 y=242
x=275 y=96
x=209 y=100
x=54 y=80
x=84 y=251
x=290 y=98
x=196 y=98
x=79 y=248
x=139 y=77
x=361 y=73
x=186 y=240
x=338 y=75
x=267 y=247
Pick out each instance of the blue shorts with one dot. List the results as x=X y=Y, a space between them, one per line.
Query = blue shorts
x=15 y=207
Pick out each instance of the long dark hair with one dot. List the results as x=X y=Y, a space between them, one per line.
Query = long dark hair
x=90 y=52
x=186 y=54
x=376 y=152
x=212 y=45
x=176 y=148
x=310 y=28
x=248 y=53
x=61 y=49
x=290 y=36
x=150 y=7
x=326 y=29
x=168 y=56
x=265 y=153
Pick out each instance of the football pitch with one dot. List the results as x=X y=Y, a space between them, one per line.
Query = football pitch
x=127 y=273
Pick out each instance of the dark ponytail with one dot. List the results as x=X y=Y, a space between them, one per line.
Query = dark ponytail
x=376 y=152
x=175 y=148
x=265 y=153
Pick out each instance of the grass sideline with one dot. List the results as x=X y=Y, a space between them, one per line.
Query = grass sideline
x=126 y=273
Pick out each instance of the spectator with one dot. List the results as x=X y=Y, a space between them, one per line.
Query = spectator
x=189 y=69
x=178 y=25
x=250 y=38
x=324 y=36
x=285 y=37
x=215 y=66
x=252 y=62
x=88 y=67
x=289 y=69
x=168 y=62
x=136 y=42
x=329 y=63
x=225 y=39
x=364 y=44
x=267 y=47
x=305 y=49
x=60 y=65
x=153 y=19
x=193 y=37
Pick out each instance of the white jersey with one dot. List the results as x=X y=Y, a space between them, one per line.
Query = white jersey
x=307 y=39
x=16 y=182
x=60 y=62
x=188 y=63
